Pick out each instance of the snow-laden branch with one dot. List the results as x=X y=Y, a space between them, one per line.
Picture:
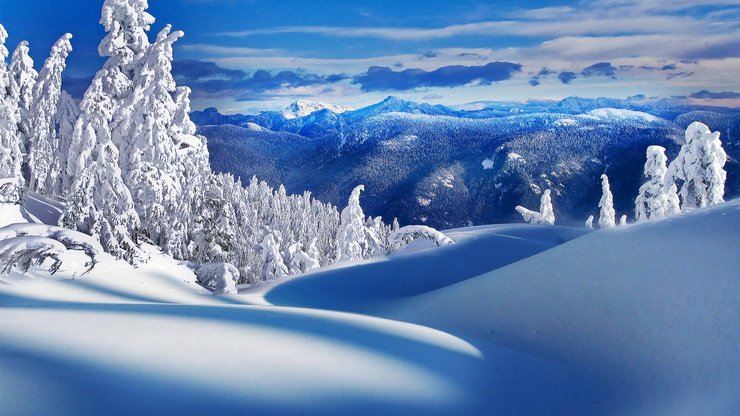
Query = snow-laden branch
x=409 y=233
x=25 y=245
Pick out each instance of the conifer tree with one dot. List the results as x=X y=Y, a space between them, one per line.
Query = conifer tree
x=546 y=215
x=607 y=215
x=42 y=136
x=657 y=198
x=699 y=168
x=22 y=79
x=12 y=183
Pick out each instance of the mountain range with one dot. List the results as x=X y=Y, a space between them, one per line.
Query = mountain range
x=447 y=167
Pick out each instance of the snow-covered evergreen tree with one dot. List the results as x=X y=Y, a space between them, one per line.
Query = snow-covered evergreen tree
x=590 y=222
x=699 y=168
x=66 y=116
x=352 y=236
x=11 y=155
x=607 y=214
x=623 y=220
x=546 y=214
x=657 y=198
x=22 y=79
x=301 y=261
x=126 y=23
x=101 y=205
x=273 y=264
x=151 y=166
x=42 y=135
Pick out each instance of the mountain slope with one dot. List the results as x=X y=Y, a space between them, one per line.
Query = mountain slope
x=442 y=167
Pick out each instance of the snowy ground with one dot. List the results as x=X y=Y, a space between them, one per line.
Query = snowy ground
x=511 y=320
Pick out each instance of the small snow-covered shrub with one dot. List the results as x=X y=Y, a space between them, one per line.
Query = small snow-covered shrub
x=219 y=278
x=546 y=215
x=26 y=245
x=409 y=233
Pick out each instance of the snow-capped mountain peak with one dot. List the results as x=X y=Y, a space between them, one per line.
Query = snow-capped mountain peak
x=303 y=108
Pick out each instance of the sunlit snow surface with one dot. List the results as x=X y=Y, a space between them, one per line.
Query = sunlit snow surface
x=513 y=319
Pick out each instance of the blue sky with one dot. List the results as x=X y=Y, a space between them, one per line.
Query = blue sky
x=251 y=55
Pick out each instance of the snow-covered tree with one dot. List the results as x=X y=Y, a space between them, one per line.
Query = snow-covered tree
x=301 y=261
x=273 y=264
x=100 y=205
x=546 y=215
x=699 y=168
x=590 y=222
x=126 y=23
x=66 y=116
x=623 y=220
x=92 y=146
x=42 y=135
x=657 y=198
x=607 y=214
x=352 y=237
x=22 y=79
x=151 y=163
x=11 y=155
x=219 y=278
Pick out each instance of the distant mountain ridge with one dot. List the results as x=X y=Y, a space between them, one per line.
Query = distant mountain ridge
x=302 y=108
x=448 y=167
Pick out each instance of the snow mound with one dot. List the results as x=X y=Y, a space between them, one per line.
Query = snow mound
x=621 y=114
x=302 y=108
x=361 y=286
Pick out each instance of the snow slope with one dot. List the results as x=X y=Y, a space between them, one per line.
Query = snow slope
x=513 y=319
x=653 y=308
x=360 y=286
x=150 y=341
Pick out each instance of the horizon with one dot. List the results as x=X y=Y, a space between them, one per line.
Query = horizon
x=251 y=56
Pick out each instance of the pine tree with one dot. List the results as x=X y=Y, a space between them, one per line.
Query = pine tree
x=699 y=168
x=42 y=136
x=656 y=197
x=12 y=183
x=607 y=215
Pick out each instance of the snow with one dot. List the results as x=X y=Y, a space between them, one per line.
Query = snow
x=652 y=307
x=255 y=127
x=511 y=319
x=622 y=114
x=563 y=122
x=487 y=164
x=302 y=108
x=515 y=157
